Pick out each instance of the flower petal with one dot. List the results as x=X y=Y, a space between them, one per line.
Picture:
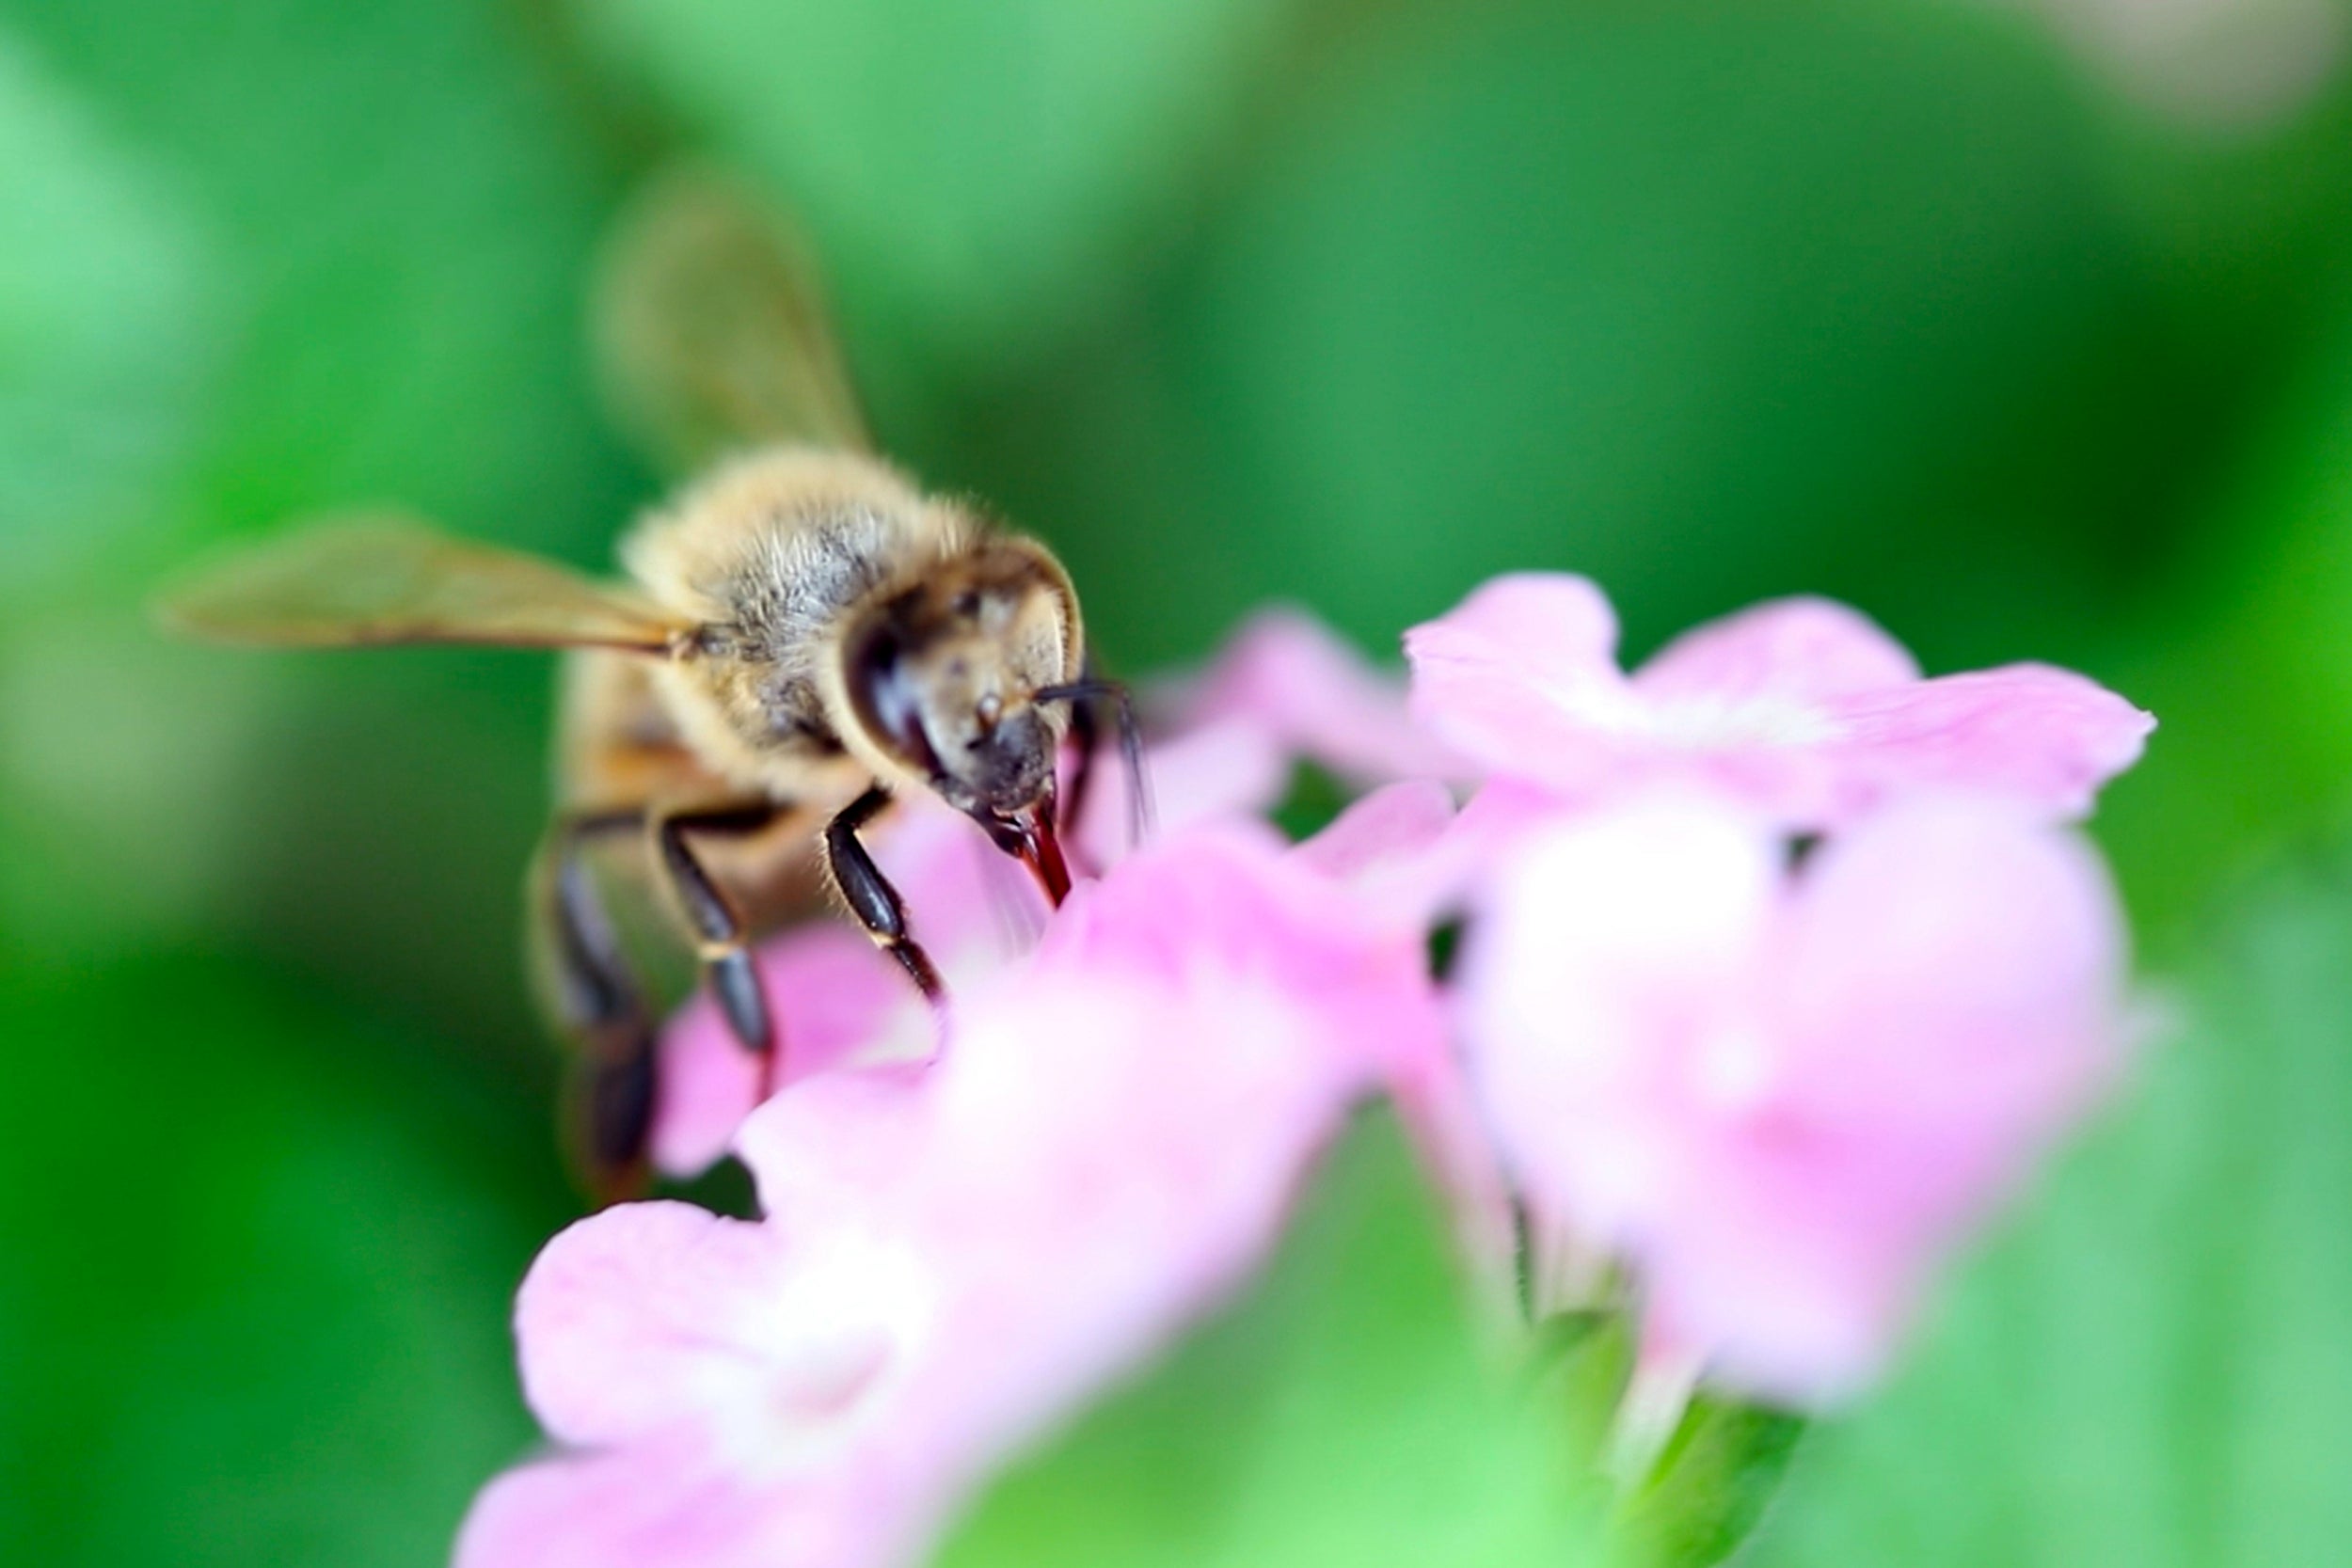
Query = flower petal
x=1403 y=851
x=1219 y=770
x=576 y=1511
x=1801 y=708
x=1784 y=1101
x=1522 y=678
x=1113 y=1132
x=1993 y=949
x=2043 y=737
x=670 y=1504
x=1797 y=650
x=1317 y=697
x=837 y=999
x=1600 y=942
x=1385 y=828
x=1950 y=1003
x=834 y=997
x=616 y=1320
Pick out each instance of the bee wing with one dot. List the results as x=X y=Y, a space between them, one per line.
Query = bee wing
x=711 y=332
x=385 y=578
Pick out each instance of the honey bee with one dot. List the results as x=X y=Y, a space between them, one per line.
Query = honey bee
x=804 y=635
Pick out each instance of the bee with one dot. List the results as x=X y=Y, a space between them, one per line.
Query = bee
x=803 y=637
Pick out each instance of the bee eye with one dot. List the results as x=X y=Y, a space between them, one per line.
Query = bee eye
x=882 y=692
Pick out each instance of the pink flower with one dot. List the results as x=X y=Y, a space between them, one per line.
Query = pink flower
x=1311 y=694
x=1783 y=1094
x=957 y=1253
x=1801 y=708
x=1284 y=688
x=839 y=1001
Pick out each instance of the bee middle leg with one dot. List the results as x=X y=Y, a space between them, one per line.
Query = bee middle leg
x=869 y=895
x=721 y=939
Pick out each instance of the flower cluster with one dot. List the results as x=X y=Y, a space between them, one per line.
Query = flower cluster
x=1777 y=968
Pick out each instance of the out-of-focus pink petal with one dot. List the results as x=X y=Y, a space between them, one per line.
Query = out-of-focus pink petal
x=1521 y=677
x=1797 y=649
x=1386 y=827
x=1152 y=1187
x=1234 y=902
x=1948 y=1002
x=1291 y=676
x=673 y=1502
x=1223 y=769
x=1994 y=952
x=576 y=1511
x=709 y=1085
x=1783 y=1100
x=614 y=1318
x=1113 y=1134
x=851 y=1137
x=2040 y=735
x=775 y=1357
x=1601 y=947
x=1402 y=850
x=1801 y=709
x=958 y=1252
x=836 y=998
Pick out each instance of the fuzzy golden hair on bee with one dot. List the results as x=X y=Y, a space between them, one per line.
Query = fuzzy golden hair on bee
x=843 y=617
x=804 y=635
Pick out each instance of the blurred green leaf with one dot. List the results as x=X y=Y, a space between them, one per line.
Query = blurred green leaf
x=399 y=216
x=1706 y=300
x=255 y=1307
x=1711 y=1484
x=123 y=790
x=1341 y=1414
x=108 y=326
x=973 y=169
x=398 y=208
x=2153 y=1368
x=2246 y=661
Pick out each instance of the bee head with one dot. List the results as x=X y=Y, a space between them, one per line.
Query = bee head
x=942 y=680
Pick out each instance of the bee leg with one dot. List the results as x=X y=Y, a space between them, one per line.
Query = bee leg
x=720 y=938
x=869 y=895
x=599 y=1005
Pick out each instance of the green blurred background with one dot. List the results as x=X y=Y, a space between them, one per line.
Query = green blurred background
x=2027 y=330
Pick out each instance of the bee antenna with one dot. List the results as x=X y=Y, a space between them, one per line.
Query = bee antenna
x=1131 y=758
x=1130 y=747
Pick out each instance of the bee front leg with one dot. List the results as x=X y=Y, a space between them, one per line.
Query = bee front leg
x=596 y=1004
x=869 y=895
x=721 y=940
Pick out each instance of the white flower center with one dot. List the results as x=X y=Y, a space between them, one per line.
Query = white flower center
x=1696 y=722
x=827 y=1356
x=1705 y=723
